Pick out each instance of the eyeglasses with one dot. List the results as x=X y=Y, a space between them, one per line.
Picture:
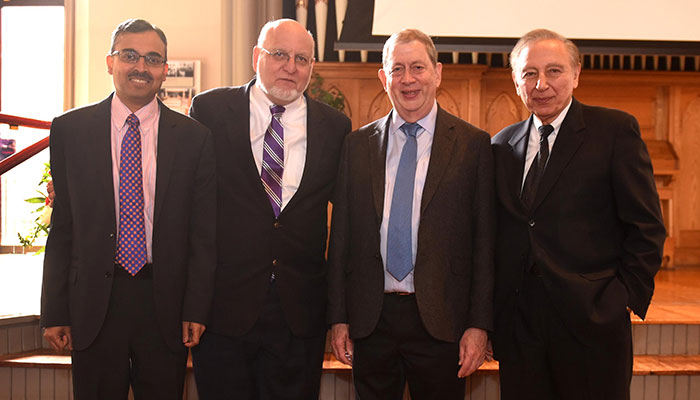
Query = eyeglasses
x=281 y=56
x=132 y=57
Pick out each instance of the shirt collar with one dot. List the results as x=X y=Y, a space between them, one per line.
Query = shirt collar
x=427 y=122
x=120 y=112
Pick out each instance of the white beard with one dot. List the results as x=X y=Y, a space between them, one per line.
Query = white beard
x=287 y=95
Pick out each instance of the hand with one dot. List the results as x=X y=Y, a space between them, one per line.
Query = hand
x=191 y=333
x=489 y=351
x=472 y=351
x=341 y=343
x=51 y=193
x=59 y=337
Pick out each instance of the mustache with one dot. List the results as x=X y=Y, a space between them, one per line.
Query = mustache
x=143 y=75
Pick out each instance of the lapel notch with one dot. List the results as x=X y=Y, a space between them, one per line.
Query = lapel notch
x=315 y=143
x=569 y=138
x=167 y=144
x=377 y=158
x=440 y=155
x=100 y=131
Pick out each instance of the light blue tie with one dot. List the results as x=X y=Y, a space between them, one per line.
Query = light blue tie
x=399 y=260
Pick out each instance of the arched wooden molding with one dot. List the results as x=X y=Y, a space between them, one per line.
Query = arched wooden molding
x=502 y=112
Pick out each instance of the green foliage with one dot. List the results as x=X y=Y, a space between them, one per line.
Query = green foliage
x=334 y=98
x=41 y=223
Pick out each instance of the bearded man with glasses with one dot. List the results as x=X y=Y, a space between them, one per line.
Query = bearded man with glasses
x=129 y=265
x=277 y=154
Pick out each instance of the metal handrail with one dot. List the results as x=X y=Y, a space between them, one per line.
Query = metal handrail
x=27 y=153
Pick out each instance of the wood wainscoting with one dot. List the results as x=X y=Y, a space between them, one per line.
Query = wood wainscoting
x=666 y=104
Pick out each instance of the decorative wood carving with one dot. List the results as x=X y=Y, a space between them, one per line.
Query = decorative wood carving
x=447 y=101
x=379 y=107
x=690 y=159
x=502 y=112
x=666 y=104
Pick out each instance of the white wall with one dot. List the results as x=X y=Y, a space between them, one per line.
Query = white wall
x=193 y=29
x=592 y=19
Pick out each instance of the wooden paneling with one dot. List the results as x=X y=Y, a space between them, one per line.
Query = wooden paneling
x=666 y=104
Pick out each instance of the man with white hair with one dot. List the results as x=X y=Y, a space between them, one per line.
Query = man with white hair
x=277 y=155
x=580 y=234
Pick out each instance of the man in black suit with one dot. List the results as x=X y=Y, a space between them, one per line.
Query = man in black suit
x=411 y=259
x=580 y=234
x=129 y=265
x=277 y=155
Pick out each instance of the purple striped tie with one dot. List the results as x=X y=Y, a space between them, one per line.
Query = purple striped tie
x=131 y=252
x=273 y=160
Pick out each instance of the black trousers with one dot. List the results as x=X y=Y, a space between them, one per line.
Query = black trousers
x=129 y=350
x=268 y=362
x=401 y=351
x=548 y=362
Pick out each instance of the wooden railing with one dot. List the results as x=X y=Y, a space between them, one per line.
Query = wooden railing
x=27 y=153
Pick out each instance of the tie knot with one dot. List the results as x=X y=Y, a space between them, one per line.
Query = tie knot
x=545 y=131
x=410 y=128
x=276 y=111
x=132 y=120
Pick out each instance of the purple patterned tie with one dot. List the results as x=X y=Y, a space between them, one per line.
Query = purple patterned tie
x=273 y=160
x=131 y=253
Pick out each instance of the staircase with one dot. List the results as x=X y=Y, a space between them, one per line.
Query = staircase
x=666 y=348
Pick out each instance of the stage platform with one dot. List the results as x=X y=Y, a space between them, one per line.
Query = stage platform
x=676 y=297
x=666 y=348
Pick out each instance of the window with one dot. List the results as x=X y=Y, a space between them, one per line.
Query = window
x=31 y=86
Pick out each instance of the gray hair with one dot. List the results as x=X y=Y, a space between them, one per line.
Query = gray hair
x=544 y=34
x=406 y=36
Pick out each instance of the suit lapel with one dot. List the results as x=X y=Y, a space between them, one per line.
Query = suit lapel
x=567 y=142
x=377 y=159
x=315 y=142
x=518 y=147
x=440 y=154
x=99 y=132
x=165 y=157
x=238 y=128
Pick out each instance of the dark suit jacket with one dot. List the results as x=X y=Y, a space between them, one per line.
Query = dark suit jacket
x=454 y=269
x=595 y=231
x=251 y=242
x=80 y=251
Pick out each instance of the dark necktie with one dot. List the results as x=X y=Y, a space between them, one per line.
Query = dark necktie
x=131 y=251
x=534 y=175
x=399 y=260
x=273 y=160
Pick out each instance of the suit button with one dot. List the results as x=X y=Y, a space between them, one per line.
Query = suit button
x=274 y=263
x=111 y=236
x=531 y=223
x=276 y=224
x=108 y=274
x=378 y=256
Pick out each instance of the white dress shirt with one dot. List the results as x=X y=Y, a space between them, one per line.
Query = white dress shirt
x=149 y=117
x=533 y=144
x=293 y=122
x=396 y=140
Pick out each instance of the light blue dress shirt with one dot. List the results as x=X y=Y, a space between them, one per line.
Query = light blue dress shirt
x=396 y=140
